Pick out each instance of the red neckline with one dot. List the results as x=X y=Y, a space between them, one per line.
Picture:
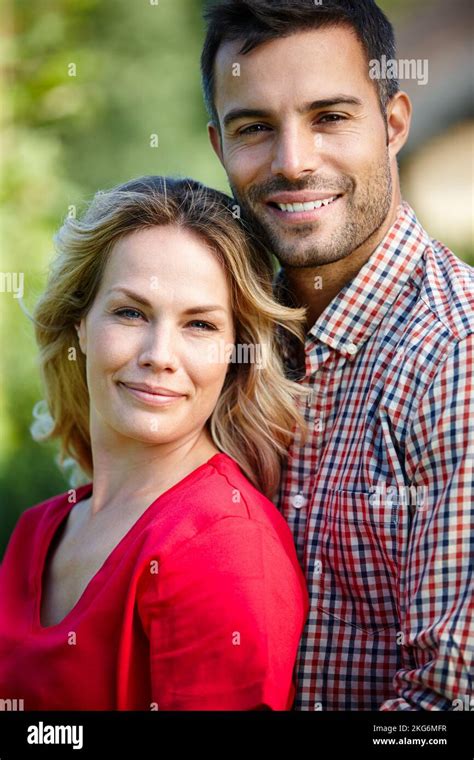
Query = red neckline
x=59 y=517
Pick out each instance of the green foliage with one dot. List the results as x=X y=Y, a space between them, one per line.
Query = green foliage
x=63 y=138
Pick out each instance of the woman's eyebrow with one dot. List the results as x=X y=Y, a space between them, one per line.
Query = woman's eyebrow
x=131 y=294
x=198 y=309
x=205 y=308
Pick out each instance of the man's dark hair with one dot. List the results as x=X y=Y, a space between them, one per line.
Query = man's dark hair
x=256 y=21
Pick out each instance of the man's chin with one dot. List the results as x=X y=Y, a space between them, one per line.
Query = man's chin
x=306 y=259
x=305 y=249
x=286 y=227
x=303 y=244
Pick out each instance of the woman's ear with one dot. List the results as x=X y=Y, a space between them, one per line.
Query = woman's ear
x=81 y=335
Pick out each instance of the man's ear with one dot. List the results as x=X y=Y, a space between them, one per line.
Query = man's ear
x=399 y=112
x=215 y=140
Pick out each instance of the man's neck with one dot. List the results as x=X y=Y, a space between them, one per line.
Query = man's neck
x=316 y=287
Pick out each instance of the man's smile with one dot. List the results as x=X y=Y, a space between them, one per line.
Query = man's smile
x=301 y=207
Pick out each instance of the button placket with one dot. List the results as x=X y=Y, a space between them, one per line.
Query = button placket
x=299 y=500
x=317 y=416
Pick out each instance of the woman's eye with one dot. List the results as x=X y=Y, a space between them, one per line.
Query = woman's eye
x=128 y=313
x=202 y=325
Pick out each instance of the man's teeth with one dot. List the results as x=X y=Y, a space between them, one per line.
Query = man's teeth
x=310 y=206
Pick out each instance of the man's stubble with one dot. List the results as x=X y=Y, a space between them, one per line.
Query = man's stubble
x=366 y=209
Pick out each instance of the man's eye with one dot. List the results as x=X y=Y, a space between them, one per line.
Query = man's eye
x=332 y=118
x=252 y=129
x=203 y=325
x=126 y=313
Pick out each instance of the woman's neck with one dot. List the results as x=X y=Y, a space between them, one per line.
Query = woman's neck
x=133 y=473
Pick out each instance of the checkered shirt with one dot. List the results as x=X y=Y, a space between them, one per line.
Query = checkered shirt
x=380 y=499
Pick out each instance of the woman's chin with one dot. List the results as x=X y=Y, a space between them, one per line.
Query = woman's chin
x=152 y=434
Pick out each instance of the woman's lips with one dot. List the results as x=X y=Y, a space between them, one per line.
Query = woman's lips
x=152 y=399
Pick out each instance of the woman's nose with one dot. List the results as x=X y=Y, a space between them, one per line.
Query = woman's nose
x=159 y=348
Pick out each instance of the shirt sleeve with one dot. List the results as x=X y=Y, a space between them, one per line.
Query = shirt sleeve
x=436 y=584
x=224 y=616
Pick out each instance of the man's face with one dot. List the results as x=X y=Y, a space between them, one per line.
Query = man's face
x=301 y=124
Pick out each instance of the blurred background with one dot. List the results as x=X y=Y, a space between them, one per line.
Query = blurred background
x=83 y=86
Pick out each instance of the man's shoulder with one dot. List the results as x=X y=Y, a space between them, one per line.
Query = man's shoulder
x=447 y=290
x=437 y=330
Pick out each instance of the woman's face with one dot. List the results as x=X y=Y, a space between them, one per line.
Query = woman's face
x=157 y=338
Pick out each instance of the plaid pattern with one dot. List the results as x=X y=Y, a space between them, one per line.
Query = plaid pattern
x=379 y=499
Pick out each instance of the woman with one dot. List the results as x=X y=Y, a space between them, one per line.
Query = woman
x=170 y=581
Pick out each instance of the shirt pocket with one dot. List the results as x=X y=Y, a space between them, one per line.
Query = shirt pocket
x=354 y=569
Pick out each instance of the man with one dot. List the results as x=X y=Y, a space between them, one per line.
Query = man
x=379 y=497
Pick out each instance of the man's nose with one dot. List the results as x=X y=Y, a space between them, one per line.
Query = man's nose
x=159 y=349
x=296 y=152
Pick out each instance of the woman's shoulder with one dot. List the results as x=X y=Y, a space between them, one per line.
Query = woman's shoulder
x=36 y=516
x=218 y=503
x=246 y=500
x=231 y=478
x=221 y=489
x=220 y=536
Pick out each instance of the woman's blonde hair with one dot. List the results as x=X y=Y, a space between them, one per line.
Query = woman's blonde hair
x=256 y=413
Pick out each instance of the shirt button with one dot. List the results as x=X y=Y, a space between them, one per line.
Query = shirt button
x=351 y=348
x=298 y=501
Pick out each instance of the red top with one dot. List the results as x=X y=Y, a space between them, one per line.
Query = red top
x=200 y=606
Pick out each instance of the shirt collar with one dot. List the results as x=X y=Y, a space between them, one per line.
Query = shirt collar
x=357 y=310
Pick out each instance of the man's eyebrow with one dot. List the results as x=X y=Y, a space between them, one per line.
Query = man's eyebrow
x=199 y=309
x=244 y=113
x=337 y=100
x=256 y=113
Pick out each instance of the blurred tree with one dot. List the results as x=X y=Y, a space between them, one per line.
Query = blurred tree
x=85 y=85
